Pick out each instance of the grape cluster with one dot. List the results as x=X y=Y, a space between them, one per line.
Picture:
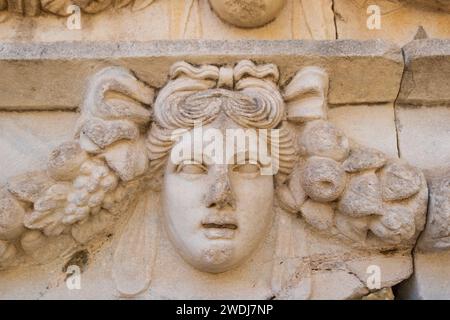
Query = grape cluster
x=94 y=182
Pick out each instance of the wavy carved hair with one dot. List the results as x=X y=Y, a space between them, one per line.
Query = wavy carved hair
x=194 y=95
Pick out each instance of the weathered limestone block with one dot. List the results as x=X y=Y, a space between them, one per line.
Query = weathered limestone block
x=30 y=137
x=427 y=68
x=59 y=78
x=399 y=20
x=360 y=123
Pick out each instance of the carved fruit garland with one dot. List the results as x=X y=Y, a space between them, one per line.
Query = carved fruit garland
x=88 y=181
x=60 y=7
x=340 y=188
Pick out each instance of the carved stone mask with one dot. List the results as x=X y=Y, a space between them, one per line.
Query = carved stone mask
x=216 y=214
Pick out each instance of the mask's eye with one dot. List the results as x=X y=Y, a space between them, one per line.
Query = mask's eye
x=247 y=169
x=190 y=167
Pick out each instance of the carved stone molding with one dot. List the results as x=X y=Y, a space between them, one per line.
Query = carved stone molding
x=246 y=14
x=119 y=166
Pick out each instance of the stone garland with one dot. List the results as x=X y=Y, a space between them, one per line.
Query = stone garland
x=59 y=7
x=355 y=194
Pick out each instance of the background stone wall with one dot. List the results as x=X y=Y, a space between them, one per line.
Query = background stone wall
x=391 y=94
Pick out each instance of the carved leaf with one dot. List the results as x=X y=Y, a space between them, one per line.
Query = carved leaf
x=48 y=211
x=352 y=228
x=291 y=276
x=93 y=6
x=104 y=133
x=11 y=216
x=26 y=8
x=399 y=181
x=49 y=221
x=122 y=3
x=136 y=250
x=396 y=225
x=29 y=186
x=95 y=225
x=141 y=4
x=127 y=159
x=58 y=7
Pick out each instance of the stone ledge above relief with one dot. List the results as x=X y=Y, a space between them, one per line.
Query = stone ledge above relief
x=41 y=76
x=426 y=81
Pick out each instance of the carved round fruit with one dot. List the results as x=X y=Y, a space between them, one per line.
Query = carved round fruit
x=247 y=13
x=7 y=251
x=92 y=6
x=32 y=240
x=323 y=179
x=11 y=217
x=321 y=138
x=65 y=161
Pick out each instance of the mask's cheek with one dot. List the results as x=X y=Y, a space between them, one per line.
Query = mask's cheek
x=254 y=199
x=183 y=208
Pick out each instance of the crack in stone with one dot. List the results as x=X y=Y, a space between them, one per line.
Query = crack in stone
x=334 y=19
x=396 y=120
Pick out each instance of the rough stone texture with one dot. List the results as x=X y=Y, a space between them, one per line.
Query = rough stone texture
x=383 y=294
x=362 y=196
x=250 y=14
x=363 y=159
x=400 y=20
x=172 y=19
x=30 y=137
x=427 y=73
x=430 y=280
x=58 y=80
x=423 y=114
x=423 y=135
x=360 y=123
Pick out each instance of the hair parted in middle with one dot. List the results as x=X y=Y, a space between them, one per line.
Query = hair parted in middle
x=247 y=94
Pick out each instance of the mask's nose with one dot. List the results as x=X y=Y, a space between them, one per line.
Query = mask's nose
x=220 y=194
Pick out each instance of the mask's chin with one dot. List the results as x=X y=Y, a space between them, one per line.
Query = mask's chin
x=214 y=256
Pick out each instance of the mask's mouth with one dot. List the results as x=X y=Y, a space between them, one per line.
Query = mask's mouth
x=220 y=226
x=214 y=221
x=217 y=227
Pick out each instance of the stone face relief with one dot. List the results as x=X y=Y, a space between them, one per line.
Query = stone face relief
x=216 y=215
